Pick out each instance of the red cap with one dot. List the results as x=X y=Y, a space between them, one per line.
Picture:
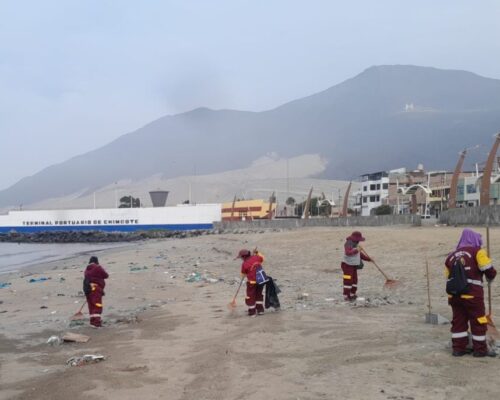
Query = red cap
x=244 y=253
x=356 y=236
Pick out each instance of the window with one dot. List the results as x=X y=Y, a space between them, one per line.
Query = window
x=471 y=188
x=365 y=188
x=373 y=199
x=364 y=199
x=372 y=187
x=385 y=186
x=378 y=186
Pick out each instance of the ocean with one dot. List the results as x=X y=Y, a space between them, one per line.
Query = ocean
x=14 y=256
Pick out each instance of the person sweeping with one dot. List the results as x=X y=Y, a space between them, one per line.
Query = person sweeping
x=94 y=283
x=353 y=260
x=250 y=267
x=465 y=267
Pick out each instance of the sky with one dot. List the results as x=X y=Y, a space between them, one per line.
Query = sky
x=75 y=75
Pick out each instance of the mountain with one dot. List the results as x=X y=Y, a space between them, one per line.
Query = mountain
x=384 y=118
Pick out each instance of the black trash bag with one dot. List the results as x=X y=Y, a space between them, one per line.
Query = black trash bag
x=272 y=291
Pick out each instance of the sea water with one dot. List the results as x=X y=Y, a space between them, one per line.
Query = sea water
x=14 y=256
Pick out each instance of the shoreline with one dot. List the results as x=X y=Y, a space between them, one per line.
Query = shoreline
x=47 y=259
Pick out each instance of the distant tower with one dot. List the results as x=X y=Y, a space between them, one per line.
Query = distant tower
x=159 y=198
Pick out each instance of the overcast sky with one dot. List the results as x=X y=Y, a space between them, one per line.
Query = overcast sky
x=75 y=75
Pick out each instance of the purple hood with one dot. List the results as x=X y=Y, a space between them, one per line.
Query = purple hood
x=469 y=238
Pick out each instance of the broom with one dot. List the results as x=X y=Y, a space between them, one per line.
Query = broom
x=389 y=283
x=232 y=304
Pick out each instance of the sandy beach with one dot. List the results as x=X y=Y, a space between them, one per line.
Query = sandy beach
x=168 y=333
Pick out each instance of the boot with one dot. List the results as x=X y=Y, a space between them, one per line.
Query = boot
x=488 y=353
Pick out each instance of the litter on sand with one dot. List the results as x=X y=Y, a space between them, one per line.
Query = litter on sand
x=85 y=359
x=38 y=279
x=4 y=284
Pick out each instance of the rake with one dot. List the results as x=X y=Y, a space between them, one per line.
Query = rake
x=389 y=283
x=79 y=315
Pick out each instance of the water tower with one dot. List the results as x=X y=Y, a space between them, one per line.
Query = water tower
x=158 y=197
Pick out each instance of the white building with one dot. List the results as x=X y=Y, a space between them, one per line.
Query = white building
x=374 y=188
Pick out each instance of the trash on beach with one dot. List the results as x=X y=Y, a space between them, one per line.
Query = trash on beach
x=206 y=277
x=194 y=277
x=54 y=340
x=85 y=359
x=137 y=269
x=75 y=337
x=76 y=323
x=38 y=279
x=4 y=284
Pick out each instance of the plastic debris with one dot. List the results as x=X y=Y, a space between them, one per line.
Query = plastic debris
x=194 y=277
x=85 y=359
x=54 y=340
x=38 y=279
x=206 y=277
x=137 y=269
x=4 y=284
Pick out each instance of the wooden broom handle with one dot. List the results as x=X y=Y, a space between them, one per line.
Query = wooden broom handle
x=374 y=263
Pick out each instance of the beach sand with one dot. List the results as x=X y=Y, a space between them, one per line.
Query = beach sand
x=168 y=338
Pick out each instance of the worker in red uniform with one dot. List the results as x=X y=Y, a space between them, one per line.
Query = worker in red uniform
x=468 y=309
x=254 y=298
x=353 y=257
x=94 y=281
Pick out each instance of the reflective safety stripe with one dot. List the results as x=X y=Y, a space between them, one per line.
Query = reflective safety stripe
x=458 y=335
x=98 y=304
x=259 y=302
x=485 y=267
x=95 y=315
x=482 y=320
x=251 y=307
x=347 y=287
x=347 y=276
x=354 y=285
x=475 y=282
x=463 y=296
x=247 y=297
x=478 y=338
x=252 y=282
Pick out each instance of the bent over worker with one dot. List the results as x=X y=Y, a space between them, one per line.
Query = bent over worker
x=468 y=309
x=94 y=277
x=254 y=298
x=353 y=257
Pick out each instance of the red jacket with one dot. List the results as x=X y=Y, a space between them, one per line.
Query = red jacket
x=249 y=267
x=477 y=263
x=96 y=274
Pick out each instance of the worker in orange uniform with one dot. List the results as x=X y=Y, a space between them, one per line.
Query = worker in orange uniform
x=94 y=290
x=468 y=309
x=352 y=261
x=251 y=263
